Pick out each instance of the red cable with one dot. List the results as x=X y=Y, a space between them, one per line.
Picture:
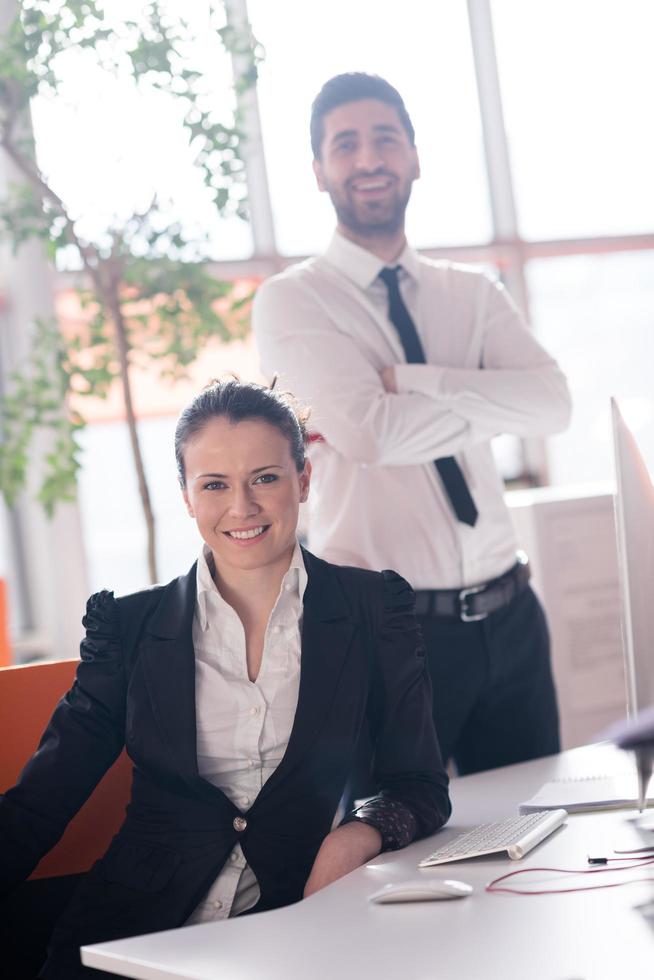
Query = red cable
x=637 y=863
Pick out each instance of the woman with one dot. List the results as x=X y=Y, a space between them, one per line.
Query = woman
x=239 y=690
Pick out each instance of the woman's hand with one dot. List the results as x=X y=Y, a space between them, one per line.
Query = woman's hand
x=343 y=850
x=388 y=379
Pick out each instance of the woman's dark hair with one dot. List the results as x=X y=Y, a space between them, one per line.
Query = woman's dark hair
x=352 y=87
x=238 y=401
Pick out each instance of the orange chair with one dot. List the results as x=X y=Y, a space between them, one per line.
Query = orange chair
x=5 y=649
x=28 y=696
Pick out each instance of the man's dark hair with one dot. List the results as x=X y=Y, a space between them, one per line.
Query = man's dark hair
x=240 y=401
x=351 y=87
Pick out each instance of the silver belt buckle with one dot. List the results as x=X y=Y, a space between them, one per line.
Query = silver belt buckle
x=464 y=615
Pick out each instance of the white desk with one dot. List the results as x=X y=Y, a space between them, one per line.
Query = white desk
x=338 y=935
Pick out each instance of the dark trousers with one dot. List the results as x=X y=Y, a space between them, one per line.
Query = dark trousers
x=494 y=697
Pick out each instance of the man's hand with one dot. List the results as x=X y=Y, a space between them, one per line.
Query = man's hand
x=343 y=850
x=388 y=379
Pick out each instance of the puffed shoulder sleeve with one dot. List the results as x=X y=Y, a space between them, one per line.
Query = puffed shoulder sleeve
x=102 y=641
x=83 y=738
x=99 y=620
x=413 y=799
x=397 y=593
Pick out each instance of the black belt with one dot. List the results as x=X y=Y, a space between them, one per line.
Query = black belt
x=477 y=602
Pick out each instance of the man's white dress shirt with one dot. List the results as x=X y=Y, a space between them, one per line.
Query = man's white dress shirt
x=243 y=726
x=376 y=498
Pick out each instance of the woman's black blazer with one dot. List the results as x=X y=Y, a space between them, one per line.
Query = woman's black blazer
x=362 y=663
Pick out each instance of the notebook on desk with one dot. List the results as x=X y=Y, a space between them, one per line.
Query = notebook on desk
x=587 y=793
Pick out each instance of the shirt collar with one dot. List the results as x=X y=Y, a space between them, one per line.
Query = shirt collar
x=296 y=577
x=361 y=266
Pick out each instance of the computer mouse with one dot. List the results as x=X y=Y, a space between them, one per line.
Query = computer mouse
x=421 y=890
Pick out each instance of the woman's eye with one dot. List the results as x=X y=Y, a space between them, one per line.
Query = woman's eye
x=266 y=478
x=214 y=485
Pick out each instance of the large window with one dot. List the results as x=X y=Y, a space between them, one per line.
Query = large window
x=577 y=82
x=537 y=150
x=596 y=315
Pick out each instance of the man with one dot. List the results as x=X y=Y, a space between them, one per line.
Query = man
x=411 y=367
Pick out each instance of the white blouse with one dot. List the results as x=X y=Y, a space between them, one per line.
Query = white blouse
x=243 y=726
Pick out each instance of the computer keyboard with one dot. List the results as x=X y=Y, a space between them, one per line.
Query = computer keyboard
x=515 y=835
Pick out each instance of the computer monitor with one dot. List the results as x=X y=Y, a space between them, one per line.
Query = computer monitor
x=634 y=521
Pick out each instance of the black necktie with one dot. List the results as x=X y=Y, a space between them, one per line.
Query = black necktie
x=449 y=470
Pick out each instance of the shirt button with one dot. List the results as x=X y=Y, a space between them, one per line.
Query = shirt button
x=244 y=800
x=233 y=856
x=250 y=764
x=288 y=587
x=217 y=904
x=239 y=823
x=277 y=629
x=255 y=711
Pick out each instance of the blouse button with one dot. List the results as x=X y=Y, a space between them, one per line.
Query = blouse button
x=217 y=904
x=245 y=800
x=239 y=823
x=277 y=630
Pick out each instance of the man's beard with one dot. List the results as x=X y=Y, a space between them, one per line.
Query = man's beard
x=364 y=221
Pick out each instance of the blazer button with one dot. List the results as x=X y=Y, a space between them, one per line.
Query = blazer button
x=239 y=823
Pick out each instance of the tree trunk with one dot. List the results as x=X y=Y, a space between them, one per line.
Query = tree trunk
x=122 y=345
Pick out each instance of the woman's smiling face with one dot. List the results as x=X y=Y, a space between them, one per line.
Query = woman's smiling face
x=244 y=490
